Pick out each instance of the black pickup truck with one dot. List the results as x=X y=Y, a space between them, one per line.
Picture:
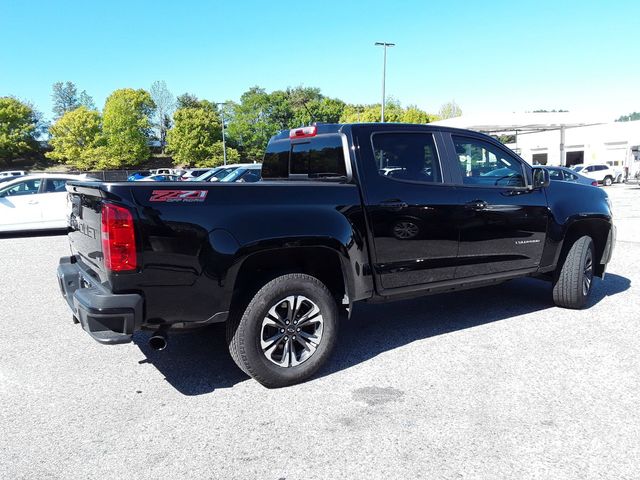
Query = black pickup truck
x=344 y=213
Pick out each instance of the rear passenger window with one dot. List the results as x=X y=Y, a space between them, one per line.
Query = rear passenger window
x=319 y=156
x=250 y=176
x=323 y=155
x=555 y=174
x=27 y=187
x=55 y=185
x=406 y=156
x=484 y=164
x=276 y=160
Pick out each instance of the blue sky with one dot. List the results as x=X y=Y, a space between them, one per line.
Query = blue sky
x=488 y=56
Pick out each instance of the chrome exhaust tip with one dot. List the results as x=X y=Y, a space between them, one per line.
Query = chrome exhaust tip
x=158 y=341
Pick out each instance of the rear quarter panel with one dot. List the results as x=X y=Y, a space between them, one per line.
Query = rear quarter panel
x=191 y=250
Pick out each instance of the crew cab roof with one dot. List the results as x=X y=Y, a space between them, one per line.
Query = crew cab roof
x=327 y=128
x=321 y=151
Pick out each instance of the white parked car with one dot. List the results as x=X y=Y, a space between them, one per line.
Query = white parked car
x=35 y=202
x=191 y=175
x=600 y=172
x=163 y=171
x=12 y=173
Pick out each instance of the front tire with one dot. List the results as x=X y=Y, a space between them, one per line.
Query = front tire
x=572 y=285
x=608 y=181
x=287 y=331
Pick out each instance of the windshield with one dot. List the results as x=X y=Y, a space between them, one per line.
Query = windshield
x=219 y=173
x=244 y=174
x=231 y=177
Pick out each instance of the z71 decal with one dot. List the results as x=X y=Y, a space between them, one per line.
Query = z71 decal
x=178 y=196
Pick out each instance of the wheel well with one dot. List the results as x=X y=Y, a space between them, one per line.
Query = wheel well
x=597 y=229
x=320 y=262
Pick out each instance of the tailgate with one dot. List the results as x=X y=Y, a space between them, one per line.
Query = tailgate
x=84 y=224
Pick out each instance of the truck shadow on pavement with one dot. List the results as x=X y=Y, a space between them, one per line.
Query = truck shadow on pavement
x=374 y=329
x=197 y=363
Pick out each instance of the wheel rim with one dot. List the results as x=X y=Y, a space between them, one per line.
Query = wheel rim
x=587 y=276
x=291 y=331
x=405 y=230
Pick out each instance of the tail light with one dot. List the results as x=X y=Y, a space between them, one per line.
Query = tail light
x=594 y=183
x=303 y=132
x=118 y=239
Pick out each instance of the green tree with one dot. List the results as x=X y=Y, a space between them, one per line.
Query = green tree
x=255 y=120
x=629 y=118
x=353 y=113
x=412 y=114
x=216 y=156
x=126 y=128
x=18 y=129
x=187 y=100
x=326 y=110
x=365 y=113
x=259 y=115
x=449 y=110
x=393 y=112
x=196 y=137
x=301 y=104
x=165 y=103
x=505 y=138
x=86 y=100
x=66 y=98
x=76 y=138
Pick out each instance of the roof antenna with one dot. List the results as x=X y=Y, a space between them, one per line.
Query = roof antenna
x=304 y=104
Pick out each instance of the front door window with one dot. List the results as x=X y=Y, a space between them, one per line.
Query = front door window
x=484 y=164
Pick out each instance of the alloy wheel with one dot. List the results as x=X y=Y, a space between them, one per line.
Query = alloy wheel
x=587 y=276
x=291 y=331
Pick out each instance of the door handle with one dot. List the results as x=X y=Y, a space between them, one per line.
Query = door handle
x=394 y=204
x=476 y=205
x=32 y=202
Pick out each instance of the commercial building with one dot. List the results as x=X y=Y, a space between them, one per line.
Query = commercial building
x=561 y=138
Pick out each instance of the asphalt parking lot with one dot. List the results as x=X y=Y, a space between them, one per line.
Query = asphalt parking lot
x=488 y=383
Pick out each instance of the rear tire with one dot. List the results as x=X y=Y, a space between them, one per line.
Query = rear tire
x=287 y=331
x=608 y=181
x=572 y=285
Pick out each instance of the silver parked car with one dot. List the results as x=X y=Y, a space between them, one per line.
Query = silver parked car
x=218 y=173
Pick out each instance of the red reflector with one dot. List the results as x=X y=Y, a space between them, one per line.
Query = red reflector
x=303 y=132
x=118 y=238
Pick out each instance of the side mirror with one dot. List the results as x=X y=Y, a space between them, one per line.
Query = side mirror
x=541 y=178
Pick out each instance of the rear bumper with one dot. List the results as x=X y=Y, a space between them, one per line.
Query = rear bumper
x=109 y=318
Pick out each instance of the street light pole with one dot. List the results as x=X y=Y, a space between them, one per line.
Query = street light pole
x=224 y=144
x=384 y=72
